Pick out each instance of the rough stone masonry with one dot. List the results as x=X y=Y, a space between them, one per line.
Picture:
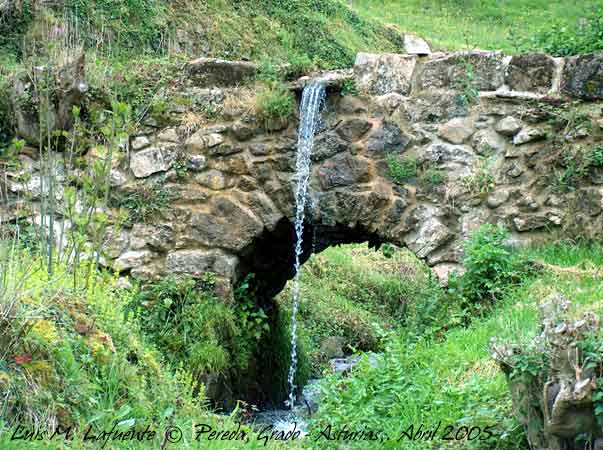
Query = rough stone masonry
x=491 y=131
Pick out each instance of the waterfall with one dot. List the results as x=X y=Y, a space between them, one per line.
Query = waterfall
x=312 y=100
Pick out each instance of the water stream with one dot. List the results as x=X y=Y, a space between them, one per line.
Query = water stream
x=312 y=101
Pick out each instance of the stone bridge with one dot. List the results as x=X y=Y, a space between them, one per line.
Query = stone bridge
x=430 y=148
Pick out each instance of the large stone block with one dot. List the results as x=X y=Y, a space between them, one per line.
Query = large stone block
x=583 y=76
x=387 y=137
x=344 y=170
x=198 y=262
x=414 y=45
x=147 y=162
x=327 y=145
x=227 y=225
x=210 y=72
x=455 y=160
x=532 y=72
x=457 y=130
x=445 y=71
x=380 y=74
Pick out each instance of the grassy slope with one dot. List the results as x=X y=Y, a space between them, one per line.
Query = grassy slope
x=454 y=380
x=486 y=24
x=355 y=293
x=280 y=30
x=90 y=366
x=352 y=291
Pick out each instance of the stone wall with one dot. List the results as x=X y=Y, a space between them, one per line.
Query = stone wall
x=497 y=129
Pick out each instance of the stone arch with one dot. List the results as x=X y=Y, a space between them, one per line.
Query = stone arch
x=495 y=154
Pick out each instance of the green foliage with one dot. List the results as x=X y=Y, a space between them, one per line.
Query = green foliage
x=408 y=169
x=359 y=294
x=591 y=347
x=401 y=170
x=15 y=19
x=559 y=39
x=134 y=24
x=487 y=24
x=179 y=165
x=274 y=103
x=468 y=94
x=70 y=357
x=594 y=156
x=480 y=182
x=5 y=119
x=576 y=164
x=431 y=177
x=191 y=327
x=146 y=201
x=458 y=379
x=349 y=87
x=197 y=331
x=492 y=267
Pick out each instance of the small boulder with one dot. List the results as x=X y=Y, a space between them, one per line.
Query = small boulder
x=344 y=170
x=196 y=163
x=529 y=135
x=147 y=162
x=414 y=45
x=583 y=76
x=243 y=131
x=497 y=198
x=140 y=142
x=327 y=145
x=199 y=262
x=487 y=141
x=380 y=74
x=169 y=135
x=457 y=130
x=443 y=71
x=211 y=72
x=353 y=129
x=203 y=140
x=386 y=138
x=351 y=105
x=132 y=259
x=214 y=179
x=430 y=235
x=508 y=126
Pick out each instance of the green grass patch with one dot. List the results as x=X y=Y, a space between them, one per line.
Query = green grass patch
x=452 y=379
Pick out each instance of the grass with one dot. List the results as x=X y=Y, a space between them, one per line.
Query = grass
x=357 y=294
x=71 y=357
x=485 y=24
x=121 y=31
x=453 y=380
x=82 y=362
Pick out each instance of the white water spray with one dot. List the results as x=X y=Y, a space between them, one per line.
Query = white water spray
x=312 y=100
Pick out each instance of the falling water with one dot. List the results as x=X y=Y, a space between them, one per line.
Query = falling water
x=312 y=99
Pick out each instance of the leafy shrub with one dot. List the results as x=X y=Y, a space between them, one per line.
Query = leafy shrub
x=594 y=156
x=5 y=118
x=69 y=356
x=274 y=103
x=401 y=170
x=576 y=163
x=492 y=267
x=468 y=94
x=561 y=40
x=480 y=182
x=186 y=324
x=146 y=201
x=431 y=177
x=349 y=87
